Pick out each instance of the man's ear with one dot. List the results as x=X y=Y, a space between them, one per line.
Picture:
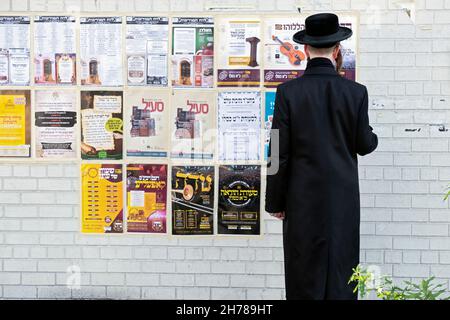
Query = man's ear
x=336 y=51
x=307 y=50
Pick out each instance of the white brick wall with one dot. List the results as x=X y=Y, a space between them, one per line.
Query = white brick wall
x=405 y=222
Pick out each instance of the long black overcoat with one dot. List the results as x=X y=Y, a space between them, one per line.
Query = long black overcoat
x=323 y=123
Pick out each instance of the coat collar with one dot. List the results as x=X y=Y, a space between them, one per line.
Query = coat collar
x=320 y=66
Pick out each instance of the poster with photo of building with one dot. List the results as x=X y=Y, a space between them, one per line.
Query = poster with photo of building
x=193 y=52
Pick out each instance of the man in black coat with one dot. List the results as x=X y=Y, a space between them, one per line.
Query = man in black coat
x=322 y=123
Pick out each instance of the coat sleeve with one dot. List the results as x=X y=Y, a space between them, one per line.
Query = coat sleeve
x=278 y=157
x=366 y=140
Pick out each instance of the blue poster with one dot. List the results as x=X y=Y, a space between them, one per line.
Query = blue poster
x=268 y=115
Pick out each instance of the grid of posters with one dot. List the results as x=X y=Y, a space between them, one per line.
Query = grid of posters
x=55 y=119
x=15 y=135
x=102 y=204
x=14 y=50
x=54 y=50
x=147 y=40
x=284 y=59
x=239 y=125
x=101 y=125
x=146 y=198
x=239 y=199
x=268 y=118
x=193 y=124
x=239 y=52
x=147 y=115
x=193 y=51
x=101 y=51
x=192 y=200
x=175 y=111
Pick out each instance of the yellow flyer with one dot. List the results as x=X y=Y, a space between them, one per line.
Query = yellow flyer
x=14 y=125
x=102 y=203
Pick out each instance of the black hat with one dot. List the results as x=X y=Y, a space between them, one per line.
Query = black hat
x=322 y=30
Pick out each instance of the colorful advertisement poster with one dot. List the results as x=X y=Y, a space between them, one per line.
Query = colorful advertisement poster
x=54 y=50
x=239 y=52
x=101 y=51
x=239 y=199
x=193 y=52
x=15 y=135
x=55 y=118
x=239 y=125
x=193 y=124
x=147 y=40
x=14 y=50
x=102 y=203
x=268 y=118
x=192 y=200
x=349 y=47
x=101 y=125
x=146 y=198
x=284 y=59
x=147 y=126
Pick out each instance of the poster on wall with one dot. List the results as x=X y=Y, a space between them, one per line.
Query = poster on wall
x=193 y=52
x=15 y=134
x=239 y=199
x=102 y=203
x=101 y=51
x=268 y=119
x=147 y=40
x=147 y=123
x=284 y=59
x=54 y=50
x=239 y=52
x=14 y=50
x=55 y=119
x=101 y=125
x=349 y=47
x=193 y=124
x=146 y=198
x=239 y=125
x=192 y=200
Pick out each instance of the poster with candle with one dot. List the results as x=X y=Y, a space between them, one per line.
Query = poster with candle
x=102 y=204
x=146 y=198
x=101 y=125
x=239 y=49
x=54 y=50
x=239 y=199
x=192 y=200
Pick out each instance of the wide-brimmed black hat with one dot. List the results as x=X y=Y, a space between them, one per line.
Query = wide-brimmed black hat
x=322 y=30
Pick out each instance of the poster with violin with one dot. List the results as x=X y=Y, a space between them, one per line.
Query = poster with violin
x=285 y=60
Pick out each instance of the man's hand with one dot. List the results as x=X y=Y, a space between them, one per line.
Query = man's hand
x=278 y=215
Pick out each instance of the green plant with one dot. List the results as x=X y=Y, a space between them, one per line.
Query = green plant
x=385 y=289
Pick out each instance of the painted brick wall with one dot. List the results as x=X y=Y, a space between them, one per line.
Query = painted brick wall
x=405 y=228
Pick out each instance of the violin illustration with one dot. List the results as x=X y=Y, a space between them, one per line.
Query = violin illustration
x=286 y=48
